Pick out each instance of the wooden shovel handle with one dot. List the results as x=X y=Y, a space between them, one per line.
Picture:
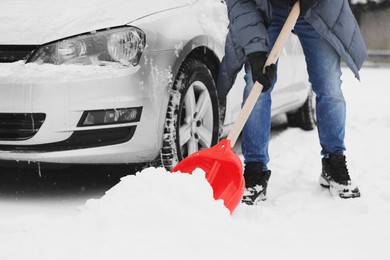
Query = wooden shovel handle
x=257 y=87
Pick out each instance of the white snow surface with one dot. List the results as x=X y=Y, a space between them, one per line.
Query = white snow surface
x=161 y=215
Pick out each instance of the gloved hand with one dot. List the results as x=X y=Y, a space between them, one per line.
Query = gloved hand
x=256 y=61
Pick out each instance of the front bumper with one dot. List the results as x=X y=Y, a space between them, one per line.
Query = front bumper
x=62 y=94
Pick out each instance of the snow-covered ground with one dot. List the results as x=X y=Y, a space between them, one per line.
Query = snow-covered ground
x=159 y=215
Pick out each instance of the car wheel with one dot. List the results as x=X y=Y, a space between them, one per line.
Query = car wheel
x=305 y=116
x=191 y=122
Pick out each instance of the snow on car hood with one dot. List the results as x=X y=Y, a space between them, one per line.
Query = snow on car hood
x=56 y=19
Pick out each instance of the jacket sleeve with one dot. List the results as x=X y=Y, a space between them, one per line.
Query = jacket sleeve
x=334 y=20
x=247 y=34
x=249 y=20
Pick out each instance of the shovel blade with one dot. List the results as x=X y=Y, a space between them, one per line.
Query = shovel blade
x=223 y=170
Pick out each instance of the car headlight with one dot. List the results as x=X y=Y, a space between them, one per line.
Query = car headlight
x=124 y=45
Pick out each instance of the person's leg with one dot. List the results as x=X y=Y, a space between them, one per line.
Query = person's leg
x=323 y=66
x=256 y=132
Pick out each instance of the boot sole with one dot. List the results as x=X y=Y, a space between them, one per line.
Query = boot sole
x=344 y=193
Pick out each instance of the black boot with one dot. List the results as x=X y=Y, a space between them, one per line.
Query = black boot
x=336 y=178
x=256 y=181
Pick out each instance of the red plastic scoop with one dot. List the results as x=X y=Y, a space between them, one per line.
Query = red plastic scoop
x=222 y=166
x=223 y=170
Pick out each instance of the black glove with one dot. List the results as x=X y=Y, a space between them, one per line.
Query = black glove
x=256 y=61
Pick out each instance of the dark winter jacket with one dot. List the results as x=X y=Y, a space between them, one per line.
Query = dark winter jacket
x=249 y=20
x=333 y=19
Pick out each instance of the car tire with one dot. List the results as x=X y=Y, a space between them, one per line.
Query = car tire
x=305 y=116
x=191 y=122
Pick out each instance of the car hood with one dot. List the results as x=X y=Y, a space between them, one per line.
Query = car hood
x=42 y=21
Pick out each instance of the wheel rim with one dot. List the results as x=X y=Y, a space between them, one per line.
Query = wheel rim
x=196 y=123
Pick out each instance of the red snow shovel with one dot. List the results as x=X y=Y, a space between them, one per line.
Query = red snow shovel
x=223 y=168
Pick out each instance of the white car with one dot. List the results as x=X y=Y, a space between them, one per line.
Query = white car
x=121 y=81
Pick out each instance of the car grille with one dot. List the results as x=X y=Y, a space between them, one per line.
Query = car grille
x=80 y=140
x=20 y=126
x=12 y=53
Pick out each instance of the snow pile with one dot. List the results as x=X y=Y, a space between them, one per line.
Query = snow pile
x=154 y=215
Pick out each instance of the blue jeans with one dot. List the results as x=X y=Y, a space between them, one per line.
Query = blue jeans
x=323 y=65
